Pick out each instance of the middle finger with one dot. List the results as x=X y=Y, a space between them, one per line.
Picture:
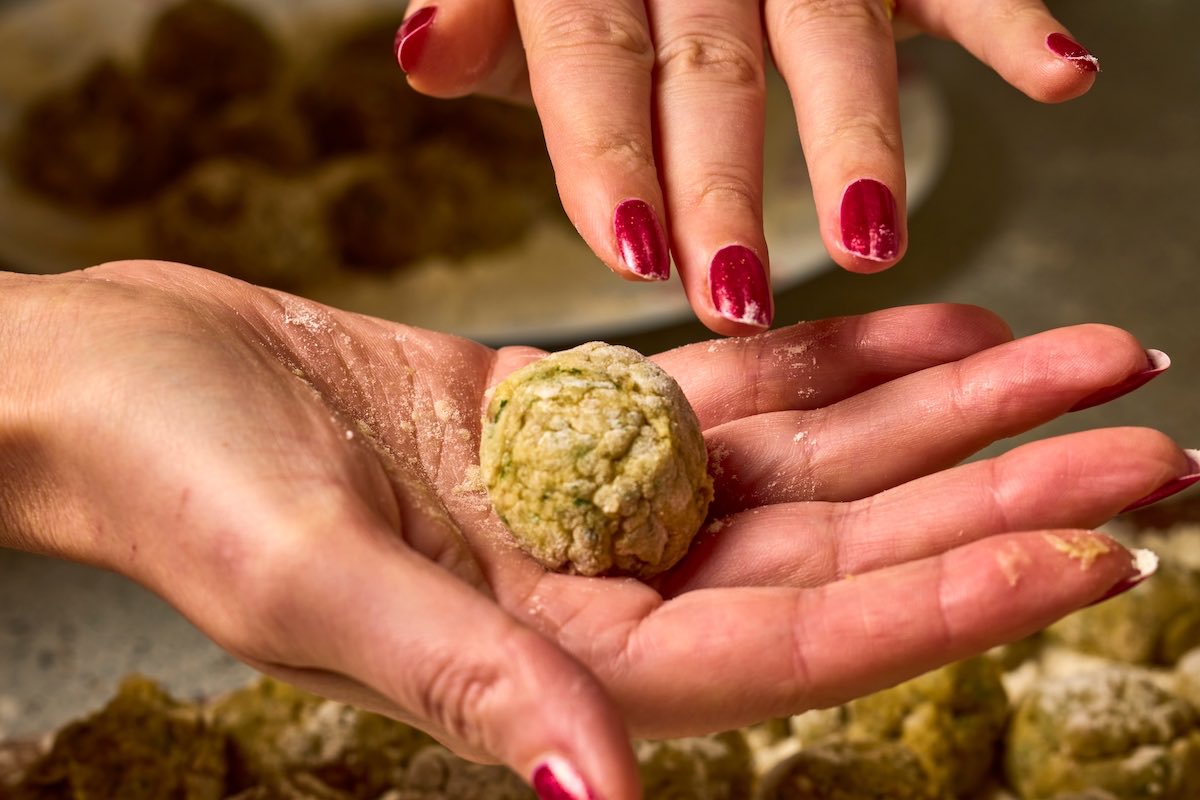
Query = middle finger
x=710 y=100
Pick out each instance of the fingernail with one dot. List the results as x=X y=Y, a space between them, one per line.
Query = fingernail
x=555 y=779
x=869 y=221
x=738 y=284
x=641 y=240
x=1066 y=47
x=1146 y=564
x=1171 y=487
x=410 y=39
x=1157 y=363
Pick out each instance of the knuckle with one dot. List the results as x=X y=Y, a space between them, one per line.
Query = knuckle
x=803 y=14
x=456 y=695
x=586 y=30
x=711 y=55
x=865 y=131
x=725 y=189
x=619 y=149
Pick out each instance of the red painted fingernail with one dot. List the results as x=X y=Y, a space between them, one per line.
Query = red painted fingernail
x=1171 y=487
x=641 y=240
x=555 y=779
x=738 y=284
x=1066 y=47
x=869 y=221
x=410 y=39
x=1157 y=364
x=1146 y=564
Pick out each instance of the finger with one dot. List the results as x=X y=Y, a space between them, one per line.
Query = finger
x=1075 y=481
x=839 y=61
x=921 y=422
x=589 y=68
x=460 y=48
x=451 y=660
x=710 y=104
x=1017 y=38
x=780 y=651
x=815 y=364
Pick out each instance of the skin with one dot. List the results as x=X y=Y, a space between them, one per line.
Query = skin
x=663 y=101
x=203 y=437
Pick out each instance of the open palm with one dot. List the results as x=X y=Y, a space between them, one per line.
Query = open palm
x=303 y=484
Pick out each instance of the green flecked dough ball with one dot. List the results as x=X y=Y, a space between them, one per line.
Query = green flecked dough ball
x=1111 y=729
x=594 y=459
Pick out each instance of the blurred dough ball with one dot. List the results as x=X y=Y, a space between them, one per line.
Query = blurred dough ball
x=436 y=201
x=845 y=770
x=204 y=53
x=99 y=142
x=239 y=218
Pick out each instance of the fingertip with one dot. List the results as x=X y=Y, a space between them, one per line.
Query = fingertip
x=554 y=777
x=868 y=234
x=463 y=48
x=739 y=300
x=1072 y=52
x=1056 y=70
x=412 y=37
x=641 y=242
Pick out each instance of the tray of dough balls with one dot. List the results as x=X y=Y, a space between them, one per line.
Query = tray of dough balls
x=1103 y=705
x=278 y=141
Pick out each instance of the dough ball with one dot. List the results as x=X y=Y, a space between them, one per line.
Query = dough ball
x=595 y=461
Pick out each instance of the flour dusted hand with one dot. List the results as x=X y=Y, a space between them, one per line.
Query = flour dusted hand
x=594 y=459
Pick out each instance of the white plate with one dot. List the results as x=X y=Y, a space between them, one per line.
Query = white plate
x=548 y=288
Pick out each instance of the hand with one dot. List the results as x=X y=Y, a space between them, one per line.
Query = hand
x=301 y=483
x=653 y=113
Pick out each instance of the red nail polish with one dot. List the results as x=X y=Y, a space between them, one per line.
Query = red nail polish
x=1066 y=47
x=738 y=284
x=1146 y=564
x=555 y=779
x=1158 y=364
x=869 y=221
x=410 y=39
x=641 y=240
x=1171 y=487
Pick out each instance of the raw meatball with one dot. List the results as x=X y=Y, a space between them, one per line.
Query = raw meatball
x=436 y=773
x=843 y=770
x=595 y=461
x=99 y=143
x=238 y=218
x=1111 y=729
x=143 y=745
x=718 y=767
x=1154 y=623
x=290 y=741
x=952 y=718
x=205 y=53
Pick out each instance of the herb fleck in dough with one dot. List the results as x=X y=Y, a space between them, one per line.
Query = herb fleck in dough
x=595 y=461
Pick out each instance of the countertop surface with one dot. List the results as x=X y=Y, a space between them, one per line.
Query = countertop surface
x=1049 y=216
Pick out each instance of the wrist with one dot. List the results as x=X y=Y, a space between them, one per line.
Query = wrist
x=34 y=507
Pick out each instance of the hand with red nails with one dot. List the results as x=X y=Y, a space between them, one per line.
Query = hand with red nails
x=302 y=483
x=654 y=116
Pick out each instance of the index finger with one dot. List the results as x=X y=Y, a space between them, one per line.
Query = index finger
x=589 y=71
x=814 y=364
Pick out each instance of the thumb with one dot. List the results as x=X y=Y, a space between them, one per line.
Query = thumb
x=465 y=47
x=454 y=663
